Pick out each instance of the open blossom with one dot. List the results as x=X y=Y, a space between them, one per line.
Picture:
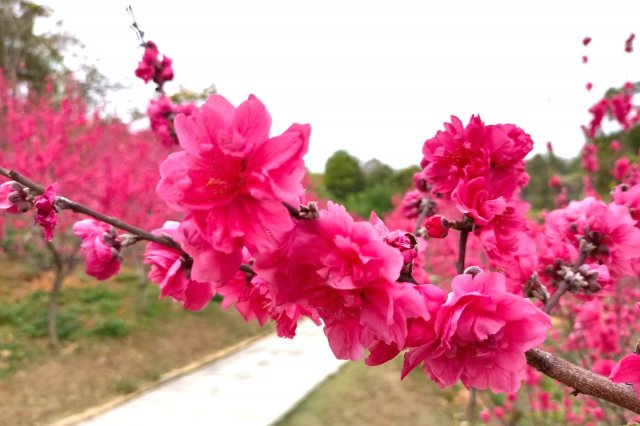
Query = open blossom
x=232 y=178
x=627 y=371
x=99 y=247
x=481 y=335
x=46 y=212
x=172 y=275
x=251 y=297
x=344 y=271
x=608 y=227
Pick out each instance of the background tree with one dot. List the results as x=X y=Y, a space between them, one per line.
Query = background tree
x=342 y=175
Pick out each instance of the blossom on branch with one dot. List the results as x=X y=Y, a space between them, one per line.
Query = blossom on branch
x=99 y=247
x=171 y=272
x=231 y=178
x=46 y=212
x=480 y=336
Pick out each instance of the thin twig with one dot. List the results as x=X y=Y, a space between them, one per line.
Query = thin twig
x=66 y=203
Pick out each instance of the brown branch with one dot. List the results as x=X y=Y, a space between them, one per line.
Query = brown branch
x=553 y=300
x=583 y=380
x=65 y=203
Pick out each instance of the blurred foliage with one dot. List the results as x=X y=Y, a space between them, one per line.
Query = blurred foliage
x=184 y=95
x=343 y=175
x=362 y=188
x=37 y=59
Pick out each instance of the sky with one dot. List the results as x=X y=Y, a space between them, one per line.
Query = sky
x=376 y=78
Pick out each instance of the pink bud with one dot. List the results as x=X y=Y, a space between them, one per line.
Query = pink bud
x=585 y=59
x=615 y=145
x=437 y=226
x=586 y=40
x=555 y=182
x=589 y=86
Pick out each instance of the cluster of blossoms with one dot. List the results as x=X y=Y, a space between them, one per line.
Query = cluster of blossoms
x=619 y=106
x=161 y=112
x=153 y=66
x=15 y=198
x=249 y=234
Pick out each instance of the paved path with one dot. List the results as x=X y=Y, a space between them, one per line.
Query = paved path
x=253 y=387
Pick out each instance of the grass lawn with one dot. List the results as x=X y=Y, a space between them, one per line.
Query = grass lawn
x=375 y=396
x=117 y=336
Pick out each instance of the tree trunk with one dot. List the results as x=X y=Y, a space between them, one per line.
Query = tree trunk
x=52 y=309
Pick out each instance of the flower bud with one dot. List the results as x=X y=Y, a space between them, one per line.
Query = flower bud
x=436 y=226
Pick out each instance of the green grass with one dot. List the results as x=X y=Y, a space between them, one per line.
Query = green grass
x=375 y=396
x=87 y=310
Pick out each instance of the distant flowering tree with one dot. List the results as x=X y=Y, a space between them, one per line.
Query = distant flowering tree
x=459 y=278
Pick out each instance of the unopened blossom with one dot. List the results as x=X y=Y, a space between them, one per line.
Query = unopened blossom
x=481 y=335
x=586 y=41
x=412 y=203
x=161 y=112
x=628 y=43
x=99 y=247
x=555 y=182
x=13 y=198
x=171 y=272
x=589 y=86
x=46 y=212
x=232 y=178
x=152 y=67
x=615 y=145
x=437 y=226
x=585 y=59
x=621 y=168
x=589 y=157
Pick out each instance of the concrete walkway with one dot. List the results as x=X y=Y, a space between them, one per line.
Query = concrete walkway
x=253 y=387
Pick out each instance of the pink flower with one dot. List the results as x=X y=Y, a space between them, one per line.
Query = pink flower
x=555 y=182
x=412 y=203
x=589 y=157
x=621 y=167
x=615 y=145
x=232 y=178
x=99 y=247
x=585 y=59
x=251 y=296
x=478 y=200
x=152 y=67
x=457 y=151
x=608 y=227
x=161 y=112
x=343 y=270
x=481 y=335
x=13 y=198
x=171 y=273
x=627 y=371
x=46 y=212
x=589 y=86
x=603 y=367
x=586 y=40
x=437 y=226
